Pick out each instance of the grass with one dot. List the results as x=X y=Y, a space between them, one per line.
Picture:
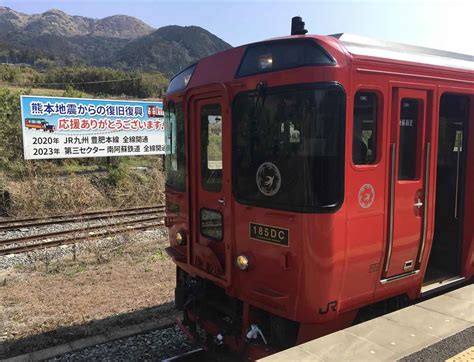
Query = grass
x=45 y=297
x=158 y=255
x=61 y=189
x=139 y=161
x=77 y=168
x=39 y=301
x=51 y=92
x=46 y=92
x=76 y=269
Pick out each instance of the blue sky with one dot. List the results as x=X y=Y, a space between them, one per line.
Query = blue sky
x=442 y=24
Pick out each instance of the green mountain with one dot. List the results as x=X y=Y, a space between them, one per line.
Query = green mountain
x=56 y=38
x=170 y=48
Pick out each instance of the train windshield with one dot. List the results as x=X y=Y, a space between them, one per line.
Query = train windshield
x=289 y=148
x=174 y=147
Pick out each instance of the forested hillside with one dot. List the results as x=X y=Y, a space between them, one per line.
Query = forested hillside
x=55 y=38
x=95 y=80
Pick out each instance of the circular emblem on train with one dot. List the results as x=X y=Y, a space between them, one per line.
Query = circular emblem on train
x=268 y=179
x=366 y=196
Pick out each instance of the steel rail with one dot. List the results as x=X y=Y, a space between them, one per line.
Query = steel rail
x=86 y=213
x=73 y=231
x=78 y=218
x=73 y=240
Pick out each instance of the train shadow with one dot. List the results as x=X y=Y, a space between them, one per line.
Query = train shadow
x=62 y=335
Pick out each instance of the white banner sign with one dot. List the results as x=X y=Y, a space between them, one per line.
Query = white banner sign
x=77 y=128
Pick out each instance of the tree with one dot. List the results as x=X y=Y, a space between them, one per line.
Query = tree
x=10 y=128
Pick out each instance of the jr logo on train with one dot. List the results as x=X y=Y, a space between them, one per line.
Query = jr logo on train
x=340 y=175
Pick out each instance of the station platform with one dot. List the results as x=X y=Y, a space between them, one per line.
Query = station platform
x=437 y=329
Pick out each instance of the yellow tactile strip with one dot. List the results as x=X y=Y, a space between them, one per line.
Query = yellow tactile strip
x=465 y=356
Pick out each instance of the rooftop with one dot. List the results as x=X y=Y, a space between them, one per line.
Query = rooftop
x=362 y=46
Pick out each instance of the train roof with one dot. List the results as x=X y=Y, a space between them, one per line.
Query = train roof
x=362 y=46
x=222 y=66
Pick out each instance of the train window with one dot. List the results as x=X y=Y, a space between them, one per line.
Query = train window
x=364 y=140
x=174 y=147
x=408 y=144
x=181 y=80
x=211 y=147
x=211 y=224
x=282 y=54
x=288 y=147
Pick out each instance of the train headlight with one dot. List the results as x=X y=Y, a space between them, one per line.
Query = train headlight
x=242 y=261
x=265 y=61
x=181 y=238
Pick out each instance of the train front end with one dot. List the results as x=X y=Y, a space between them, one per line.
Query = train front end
x=255 y=156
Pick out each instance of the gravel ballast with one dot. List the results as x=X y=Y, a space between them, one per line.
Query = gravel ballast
x=152 y=346
x=42 y=255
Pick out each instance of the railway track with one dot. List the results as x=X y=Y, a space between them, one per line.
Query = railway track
x=114 y=344
x=144 y=218
x=6 y=225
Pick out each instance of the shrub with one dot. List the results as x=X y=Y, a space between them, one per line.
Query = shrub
x=10 y=128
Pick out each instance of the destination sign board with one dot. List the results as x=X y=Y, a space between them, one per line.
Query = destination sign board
x=55 y=127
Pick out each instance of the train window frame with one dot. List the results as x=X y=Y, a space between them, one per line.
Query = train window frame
x=180 y=187
x=204 y=140
x=380 y=128
x=181 y=80
x=320 y=209
x=420 y=136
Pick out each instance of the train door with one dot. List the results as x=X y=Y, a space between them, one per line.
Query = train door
x=210 y=242
x=445 y=256
x=409 y=173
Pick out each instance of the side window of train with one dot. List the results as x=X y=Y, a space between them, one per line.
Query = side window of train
x=211 y=147
x=364 y=140
x=408 y=144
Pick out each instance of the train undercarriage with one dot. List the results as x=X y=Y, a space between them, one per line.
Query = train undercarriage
x=216 y=321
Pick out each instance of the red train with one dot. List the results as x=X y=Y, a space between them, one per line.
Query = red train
x=39 y=124
x=154 y=111
x=340 y=174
